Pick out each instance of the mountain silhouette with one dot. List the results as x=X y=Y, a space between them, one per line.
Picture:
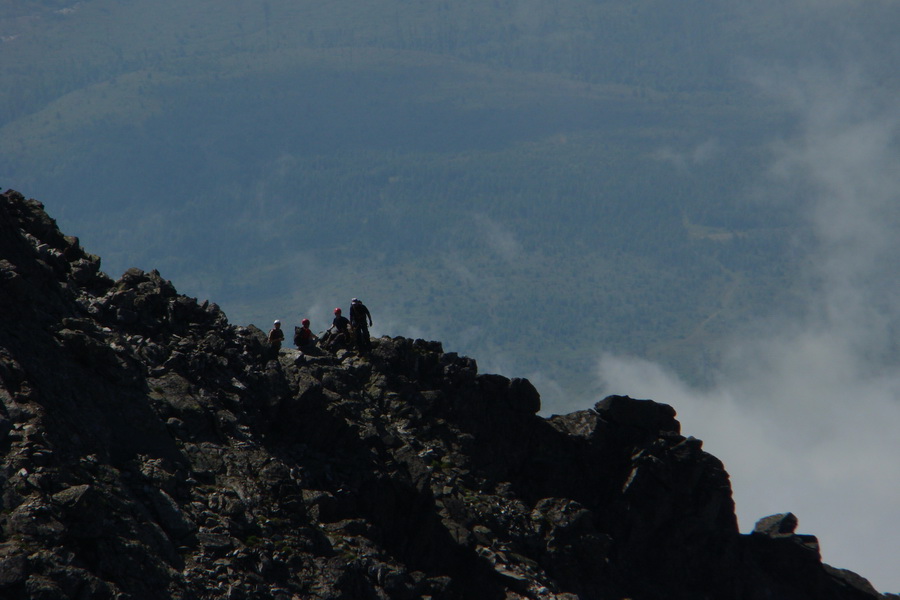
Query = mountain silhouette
x=151 y=449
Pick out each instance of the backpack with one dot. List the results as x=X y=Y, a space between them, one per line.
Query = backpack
x=358 y=313
x=301 y=336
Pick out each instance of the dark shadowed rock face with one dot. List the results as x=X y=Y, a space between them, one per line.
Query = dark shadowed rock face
x=152 y=450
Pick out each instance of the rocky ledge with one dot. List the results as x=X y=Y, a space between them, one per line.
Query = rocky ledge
x=152 y=450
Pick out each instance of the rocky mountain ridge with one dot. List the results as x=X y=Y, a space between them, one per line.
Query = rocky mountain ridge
x=152 y=450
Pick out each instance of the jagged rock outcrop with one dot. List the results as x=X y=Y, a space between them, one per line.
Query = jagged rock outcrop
x=152 y=450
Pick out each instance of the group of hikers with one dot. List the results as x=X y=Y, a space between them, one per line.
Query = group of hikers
x=343 y=332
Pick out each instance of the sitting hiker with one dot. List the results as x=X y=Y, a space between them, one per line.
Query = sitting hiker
x=276 y=336
x=304 y=338
x=340 y=337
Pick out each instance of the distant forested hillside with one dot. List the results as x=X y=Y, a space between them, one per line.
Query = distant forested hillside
x=529 y=181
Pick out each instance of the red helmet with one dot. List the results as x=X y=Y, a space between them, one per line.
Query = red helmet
x=305 y=322
x=337 y=311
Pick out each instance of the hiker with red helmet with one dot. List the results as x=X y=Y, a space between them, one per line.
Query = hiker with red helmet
x=304 y=338
x=342 y=331
x=341 y=324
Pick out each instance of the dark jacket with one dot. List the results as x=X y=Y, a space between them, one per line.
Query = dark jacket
x=341 y=323
x=359 y=313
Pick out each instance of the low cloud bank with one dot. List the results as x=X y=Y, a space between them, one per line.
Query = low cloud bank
x=806 y=414
x=796 y=435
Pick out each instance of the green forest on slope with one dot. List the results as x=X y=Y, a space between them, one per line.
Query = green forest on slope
x=530 y=183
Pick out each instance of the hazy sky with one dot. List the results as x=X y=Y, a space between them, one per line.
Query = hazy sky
x=806 y=414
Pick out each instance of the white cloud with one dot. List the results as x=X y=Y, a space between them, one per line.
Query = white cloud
x=799 y=429
x=806 y=414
